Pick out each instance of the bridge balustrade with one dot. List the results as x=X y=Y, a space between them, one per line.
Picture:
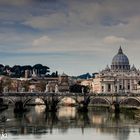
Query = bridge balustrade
x=111 y=97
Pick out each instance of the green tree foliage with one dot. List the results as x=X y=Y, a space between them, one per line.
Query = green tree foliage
x=1 y=69
x=40 y=69
x=24 y=68
x=18 y=71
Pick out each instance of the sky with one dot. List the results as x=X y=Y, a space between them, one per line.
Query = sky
x=71 y=36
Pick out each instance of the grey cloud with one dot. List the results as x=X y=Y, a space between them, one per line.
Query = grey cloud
x=15 y=2
x=80 y=26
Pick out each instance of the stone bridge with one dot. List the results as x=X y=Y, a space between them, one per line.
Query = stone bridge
x=82 y=100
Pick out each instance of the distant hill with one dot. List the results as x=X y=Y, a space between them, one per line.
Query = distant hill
x=84 y=76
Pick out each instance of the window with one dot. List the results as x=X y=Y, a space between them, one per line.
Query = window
x=120 y=87
x=102 y=88
x=128 y=87
x=115 y=88
x=109 y=87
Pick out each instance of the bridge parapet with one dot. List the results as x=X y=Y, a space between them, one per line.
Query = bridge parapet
x=68 y=94
x=40 y=94
x=83 y=98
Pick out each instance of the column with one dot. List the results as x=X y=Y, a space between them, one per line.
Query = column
x=126 y=86
x=112 y=88
x=105 y=88
x=118 y=87
x=130 y=85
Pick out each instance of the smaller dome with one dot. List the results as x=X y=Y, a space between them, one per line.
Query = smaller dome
x=64 y=75
x=107 y=68
x=133 y=68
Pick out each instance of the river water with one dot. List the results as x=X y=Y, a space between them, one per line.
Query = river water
x=67 y=124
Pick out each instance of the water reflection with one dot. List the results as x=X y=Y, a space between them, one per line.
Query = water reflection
x=67 y=112
x=36 y=121
x=40 y=109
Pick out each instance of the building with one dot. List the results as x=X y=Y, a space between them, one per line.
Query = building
x=119 y=77
x=87 y=82
x=61 y=84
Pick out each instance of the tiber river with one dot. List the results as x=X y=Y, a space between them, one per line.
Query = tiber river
x=67 y=124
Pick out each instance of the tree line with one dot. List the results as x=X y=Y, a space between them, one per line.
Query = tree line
x=18 y=71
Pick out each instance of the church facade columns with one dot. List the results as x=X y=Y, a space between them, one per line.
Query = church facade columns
x=119 y=77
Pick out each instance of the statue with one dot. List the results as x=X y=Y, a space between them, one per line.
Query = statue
x=5 y=89
x=51 y=89
x=47 y=88
x=82 y=89
x=56 y=88
x=34 y=73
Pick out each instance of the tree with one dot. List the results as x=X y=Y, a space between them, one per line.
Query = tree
x=25 y=67
x=40 y=69
x=16 y=71
x=53 y=74
x=56 y=73
x=1 y=69
x=6 y=70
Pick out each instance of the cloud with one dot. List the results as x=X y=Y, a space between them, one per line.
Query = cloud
x=79 y=27
x=114 y=40
x=71 y=15
x=77 y=14
x=42 y=41
x=52 y=21
x=15 y=2
x=108 y=21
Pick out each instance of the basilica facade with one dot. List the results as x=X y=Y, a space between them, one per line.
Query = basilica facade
x=119 y=77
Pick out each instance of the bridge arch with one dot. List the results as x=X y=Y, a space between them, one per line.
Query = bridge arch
x=9 y=99
x=71 y=99
x=31 y=99
x=100 y=101
x=130 y=101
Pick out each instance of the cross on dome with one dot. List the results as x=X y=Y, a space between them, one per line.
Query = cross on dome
x=120 y=51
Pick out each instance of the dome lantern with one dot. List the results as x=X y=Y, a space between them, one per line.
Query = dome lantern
x=120 y=51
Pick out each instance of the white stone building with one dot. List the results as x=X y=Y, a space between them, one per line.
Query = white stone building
x=119 y=77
